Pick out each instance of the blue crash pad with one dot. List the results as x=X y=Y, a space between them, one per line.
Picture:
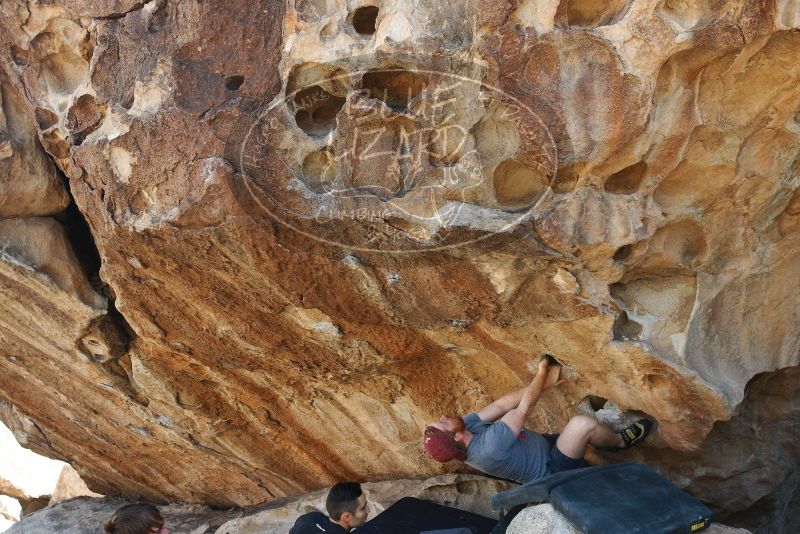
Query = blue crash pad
x=629 y=498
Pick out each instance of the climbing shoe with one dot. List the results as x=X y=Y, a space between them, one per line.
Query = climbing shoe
x=635 y=434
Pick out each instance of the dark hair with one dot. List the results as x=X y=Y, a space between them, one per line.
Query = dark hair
x=134 y=519
x=342 y=498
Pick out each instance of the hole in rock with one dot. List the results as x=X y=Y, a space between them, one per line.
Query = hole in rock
x=364 y=19
x=551 y=360
x=63 y=73
x=516 y=185
x=394 y=86
x=19 y=56
x=566 y=180
x=617 y=291
x=686 y=14
x=329 y=77
x=81 y=239
x=597 y=403
x=678 y=247
x=319 y=170
x=679 y=244
x=592 y=13
x=316 y=110
x=626 y=181
x=625 y=328
x=623 y=253
x=233 y=83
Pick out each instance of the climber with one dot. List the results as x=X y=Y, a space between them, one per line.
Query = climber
x=494 y=441
x=347 y=507
x=138 y=518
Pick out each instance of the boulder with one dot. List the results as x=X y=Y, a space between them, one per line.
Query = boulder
x=70 y=485
x=310 y=228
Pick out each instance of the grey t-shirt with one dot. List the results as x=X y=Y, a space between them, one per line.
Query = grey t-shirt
x=495 y=450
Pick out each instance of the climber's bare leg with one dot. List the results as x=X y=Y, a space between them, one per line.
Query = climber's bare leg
x=583 y=430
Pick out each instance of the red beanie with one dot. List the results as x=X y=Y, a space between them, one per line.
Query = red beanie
x=441 y=446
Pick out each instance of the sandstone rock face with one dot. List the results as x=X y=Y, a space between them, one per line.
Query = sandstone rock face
x=319 y=224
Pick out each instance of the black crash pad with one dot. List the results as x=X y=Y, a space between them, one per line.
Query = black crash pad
x=414 y=516
x=629 y=498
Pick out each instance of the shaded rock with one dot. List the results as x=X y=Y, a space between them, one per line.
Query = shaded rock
x=774 y=512
x=41 y=245
x=746 y=469
x=29 y=182
x=33 y=504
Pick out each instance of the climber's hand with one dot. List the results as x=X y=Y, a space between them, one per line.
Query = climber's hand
x=553 y=376
x=543 y=366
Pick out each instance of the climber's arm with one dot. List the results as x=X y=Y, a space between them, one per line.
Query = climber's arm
x=515 y=418
x=501 y=406
x=546 y=377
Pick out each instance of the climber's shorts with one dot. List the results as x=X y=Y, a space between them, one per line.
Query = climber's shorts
x=557 y=461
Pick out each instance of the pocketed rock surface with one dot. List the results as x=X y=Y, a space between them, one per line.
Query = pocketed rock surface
x=250 y=248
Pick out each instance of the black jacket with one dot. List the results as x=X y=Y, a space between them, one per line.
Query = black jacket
x=316 y=523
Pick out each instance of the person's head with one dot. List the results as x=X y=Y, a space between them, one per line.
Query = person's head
x=347 y=505
x=136 y=519
x=444 y=439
